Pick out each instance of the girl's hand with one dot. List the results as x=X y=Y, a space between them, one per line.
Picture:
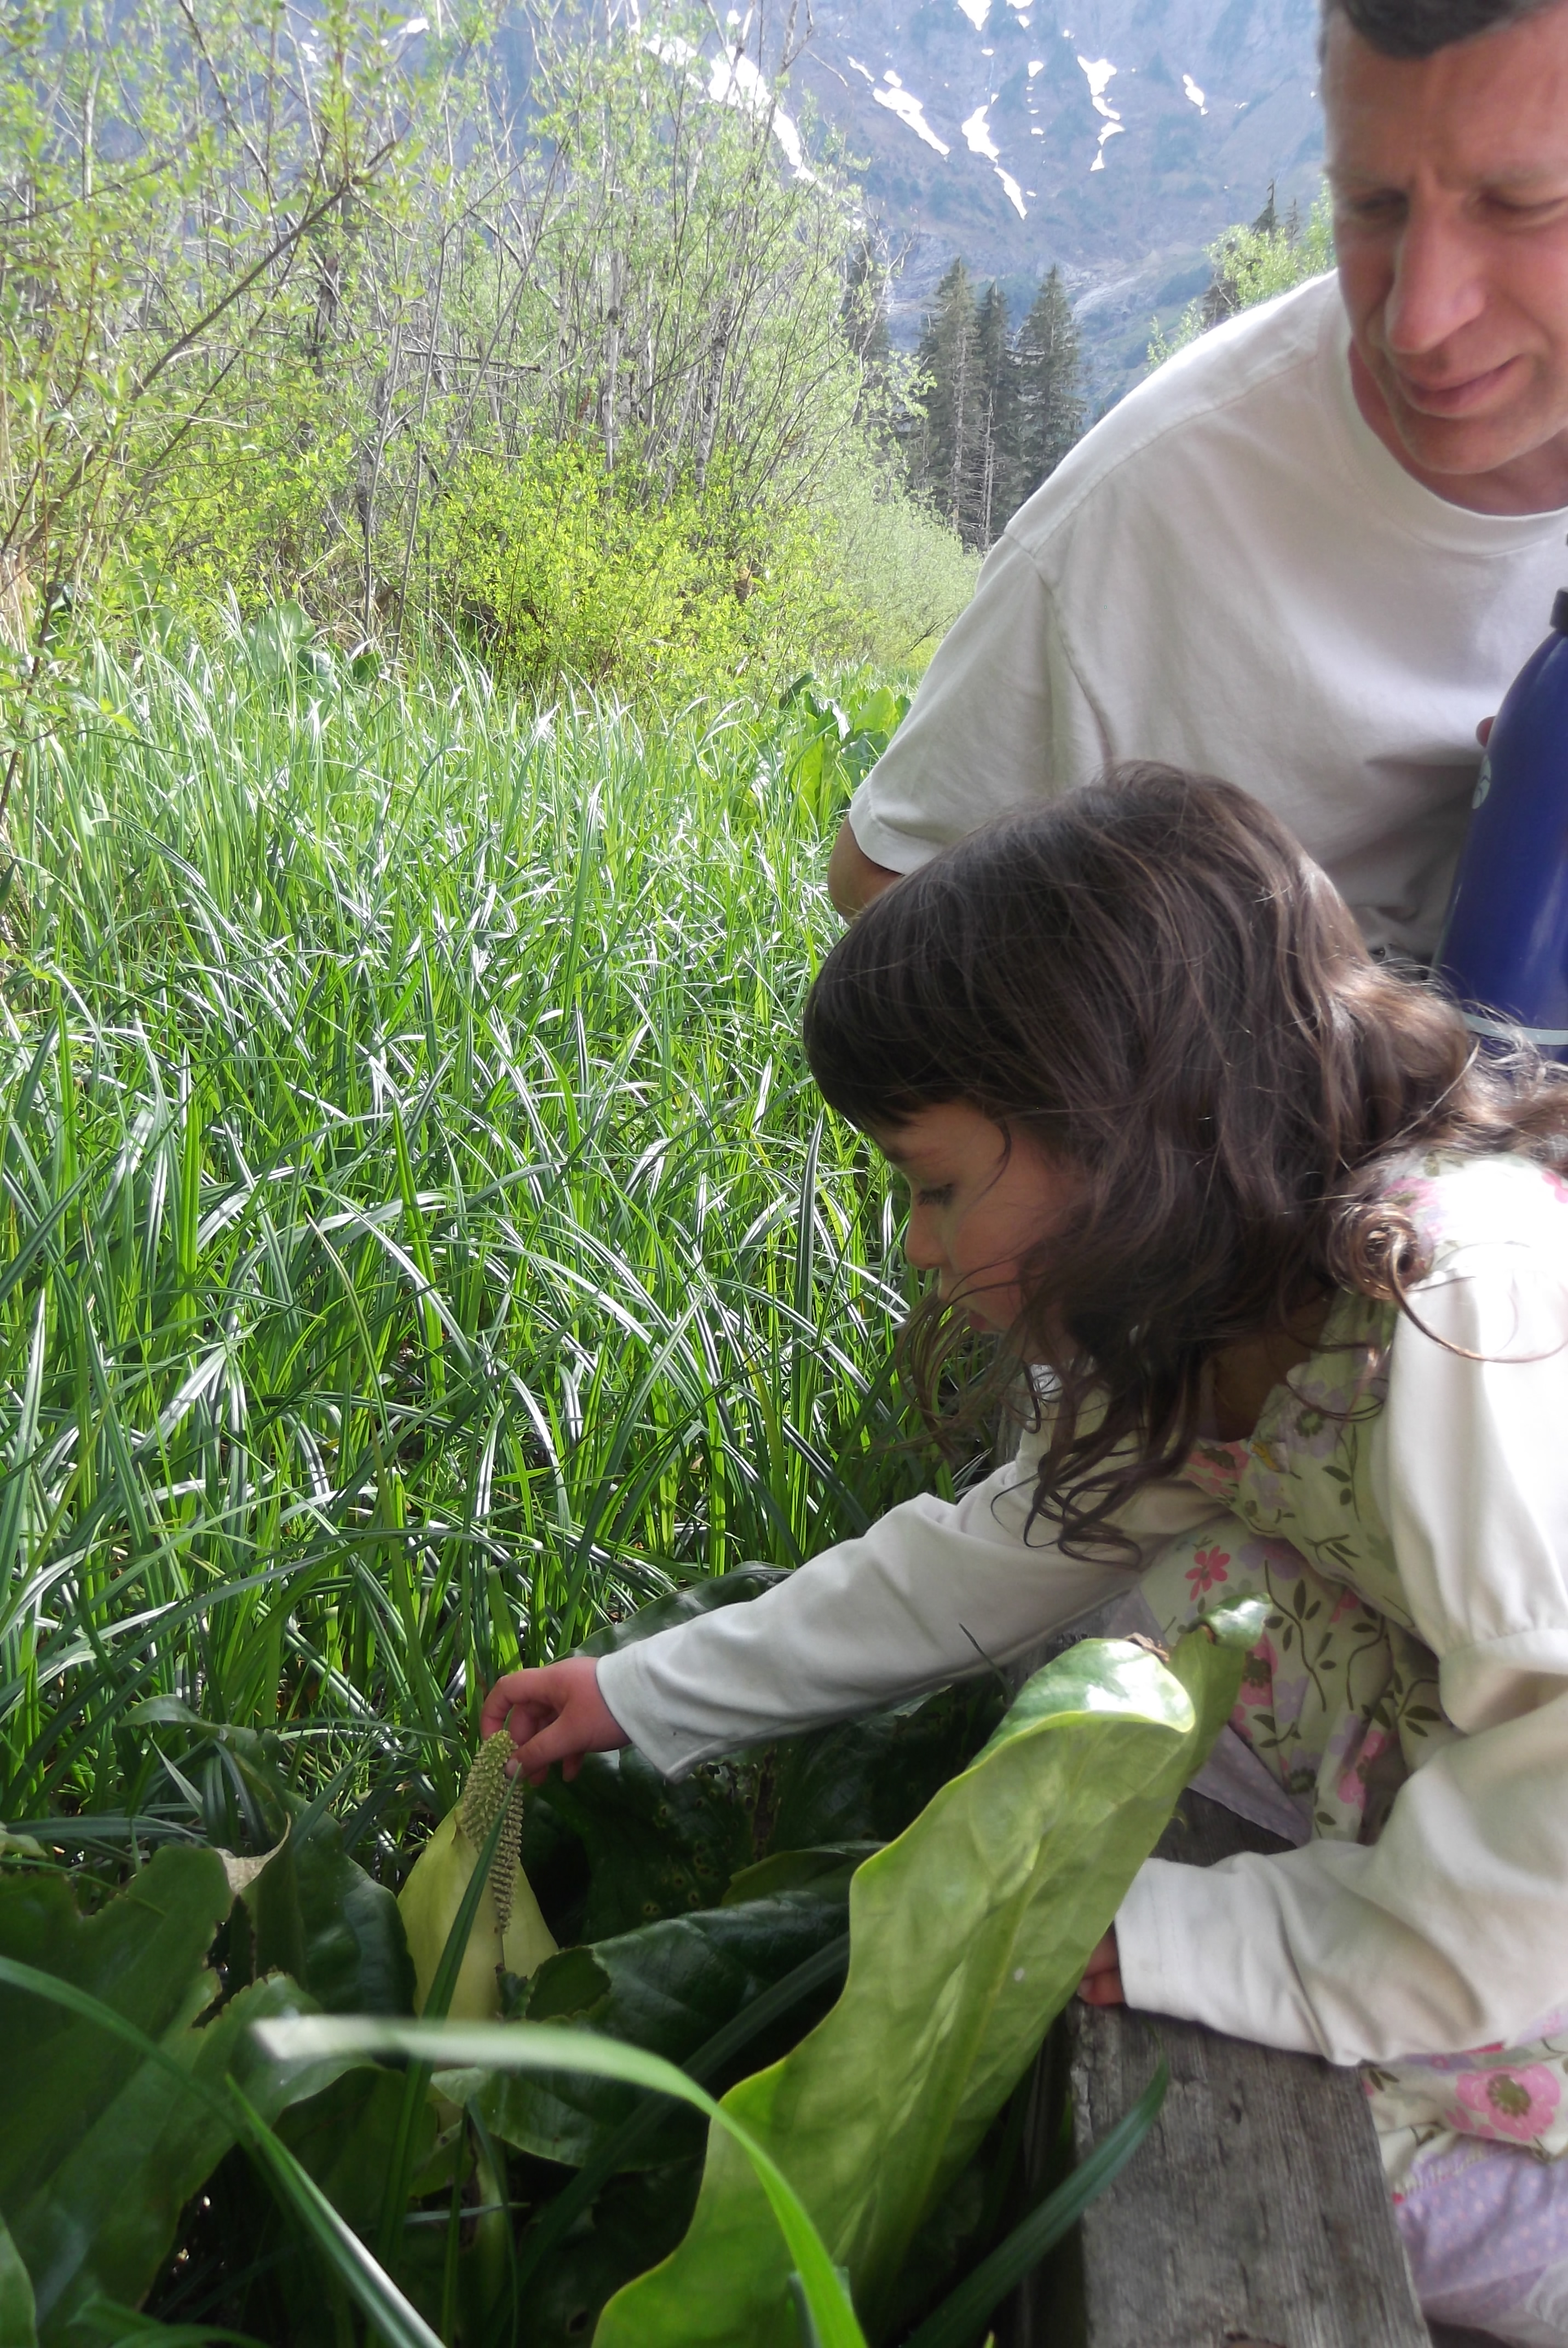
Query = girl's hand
x=1102 y=1984
x=555 y=1714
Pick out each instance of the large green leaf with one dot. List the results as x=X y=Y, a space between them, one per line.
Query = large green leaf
x=18 y=2326
x=968 y=1936
x=531 y=2046
x=311 y=1912
x=145 y=1952
x=652 y=1849
x=102 y=2147
x=668 y=1987
x=320 y=1918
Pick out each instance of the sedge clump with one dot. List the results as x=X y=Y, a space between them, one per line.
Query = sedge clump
x=509 y=1934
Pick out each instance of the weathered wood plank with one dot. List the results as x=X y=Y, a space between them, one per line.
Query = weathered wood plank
x=1256 y=2208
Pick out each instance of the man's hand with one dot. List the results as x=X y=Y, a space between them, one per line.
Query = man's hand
x=852 y=878
x=555 y=1714
x=1102 y=1984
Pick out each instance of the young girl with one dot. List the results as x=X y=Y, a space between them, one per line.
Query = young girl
x=1294 y=1263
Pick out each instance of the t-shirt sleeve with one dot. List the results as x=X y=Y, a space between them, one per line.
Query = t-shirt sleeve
x=935 y=1591
x=1001 y=719
x=1451 y=1931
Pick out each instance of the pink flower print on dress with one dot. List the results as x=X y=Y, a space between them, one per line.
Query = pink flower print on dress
x=1214 y=1467
x=1352 y=1786
x=1257 y=1675
x=1558 y=1186
x=1519 y=2103
x=1208 y=1567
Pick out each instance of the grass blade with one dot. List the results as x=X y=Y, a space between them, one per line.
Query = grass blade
x=540 y=2046
x=960 y=2320
x=568 y=2205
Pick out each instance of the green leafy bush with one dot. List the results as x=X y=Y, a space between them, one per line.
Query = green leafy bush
x=553 y=568
x=1253 y=265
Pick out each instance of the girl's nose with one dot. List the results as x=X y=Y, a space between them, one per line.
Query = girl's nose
x=920 y=1248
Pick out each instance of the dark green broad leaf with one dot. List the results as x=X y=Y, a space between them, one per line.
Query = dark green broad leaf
x=102 y=2147
x=344 y=2138
x=144 y=1953
x=667 y=1988
x=311 y=1913
x=736 y=1589
x=653 y=1850
x=636 y=2221
x=17 y=2327
x=866 y=1780
x=319 y=1917
x=620 y=1848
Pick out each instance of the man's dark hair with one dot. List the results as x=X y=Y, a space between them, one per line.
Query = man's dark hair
x=1419 y=28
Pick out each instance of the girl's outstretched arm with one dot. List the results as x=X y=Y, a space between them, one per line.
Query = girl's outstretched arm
x=555 y=1714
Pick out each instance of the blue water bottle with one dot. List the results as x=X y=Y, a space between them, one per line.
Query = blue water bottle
x=1504 y=950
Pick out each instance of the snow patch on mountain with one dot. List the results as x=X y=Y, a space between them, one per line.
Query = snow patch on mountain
x=904 y=104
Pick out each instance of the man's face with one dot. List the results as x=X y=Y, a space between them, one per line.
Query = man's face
x=1449 y=176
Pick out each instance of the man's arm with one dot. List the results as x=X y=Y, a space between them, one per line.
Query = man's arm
x=852 y=878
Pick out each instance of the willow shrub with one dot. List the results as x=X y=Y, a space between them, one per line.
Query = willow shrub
x=421 y=1242
x=550 y=566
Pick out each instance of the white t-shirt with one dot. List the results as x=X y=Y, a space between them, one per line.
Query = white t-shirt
x=1231 y=572
x=1451 y=1929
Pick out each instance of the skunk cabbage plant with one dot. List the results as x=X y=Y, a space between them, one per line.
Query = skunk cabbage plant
x=967 y=1935
x=509 y=1933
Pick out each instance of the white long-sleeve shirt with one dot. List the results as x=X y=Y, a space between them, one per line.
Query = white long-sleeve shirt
x=1451 y=1931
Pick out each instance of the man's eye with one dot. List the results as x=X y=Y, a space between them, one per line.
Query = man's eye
x=1514 y=208
x=938 y=1198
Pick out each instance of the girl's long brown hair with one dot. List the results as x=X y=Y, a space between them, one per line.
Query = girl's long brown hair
x=1153 y=981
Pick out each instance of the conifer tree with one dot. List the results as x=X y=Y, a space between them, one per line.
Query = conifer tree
x=1050 y=396
x=996 y=490
x=943 y=455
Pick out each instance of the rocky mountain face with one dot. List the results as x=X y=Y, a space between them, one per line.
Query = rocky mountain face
x=1113 y=138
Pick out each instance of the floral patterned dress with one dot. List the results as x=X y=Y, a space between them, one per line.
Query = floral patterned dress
x=1339 y=1699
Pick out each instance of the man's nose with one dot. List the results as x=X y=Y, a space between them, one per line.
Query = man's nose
x=1440 y=283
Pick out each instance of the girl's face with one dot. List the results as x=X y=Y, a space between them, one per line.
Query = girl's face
x=977 y=1206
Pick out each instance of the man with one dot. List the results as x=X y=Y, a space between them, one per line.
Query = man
x=1310 y=551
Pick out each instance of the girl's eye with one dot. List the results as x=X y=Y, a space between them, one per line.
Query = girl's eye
x=938 y=1197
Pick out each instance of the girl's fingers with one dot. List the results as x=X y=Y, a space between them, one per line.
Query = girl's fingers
x=506 y=1694
x=560 y=1739
x=1101 y=1983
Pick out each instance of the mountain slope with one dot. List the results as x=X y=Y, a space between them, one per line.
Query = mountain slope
x=1114 y=137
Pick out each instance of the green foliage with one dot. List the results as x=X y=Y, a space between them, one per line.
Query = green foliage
x=420 y=1238
x=317 y=315
x=94 y=2180
x=838 y=742
x=900 y=575
x=102 y=2148
x=553 y=567
x=1252 y=264
x=967 y=1936
x=493 y=2046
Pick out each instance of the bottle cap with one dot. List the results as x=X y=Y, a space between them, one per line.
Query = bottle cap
x=1560 y=611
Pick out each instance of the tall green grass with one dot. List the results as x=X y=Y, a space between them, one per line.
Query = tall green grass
x=419 y=1235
